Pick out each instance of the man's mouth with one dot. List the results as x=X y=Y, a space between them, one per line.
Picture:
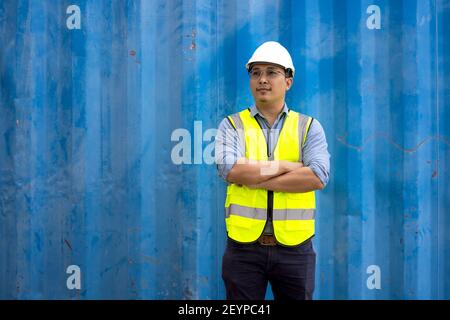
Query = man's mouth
x=263 y=89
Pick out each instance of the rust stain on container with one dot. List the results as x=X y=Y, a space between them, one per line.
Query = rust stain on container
x=193 y=44
x=133 y=54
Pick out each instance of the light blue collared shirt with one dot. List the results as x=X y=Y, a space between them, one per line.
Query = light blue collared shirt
x=315 y=154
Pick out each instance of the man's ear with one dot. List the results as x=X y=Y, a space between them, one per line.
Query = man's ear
x=289 y=83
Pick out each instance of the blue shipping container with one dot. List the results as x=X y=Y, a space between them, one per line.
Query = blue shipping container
x=97 y=96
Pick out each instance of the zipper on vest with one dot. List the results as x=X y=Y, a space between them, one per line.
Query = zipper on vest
x=269 y=192
x=269 y=205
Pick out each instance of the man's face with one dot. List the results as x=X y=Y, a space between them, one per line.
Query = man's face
x=269 y=84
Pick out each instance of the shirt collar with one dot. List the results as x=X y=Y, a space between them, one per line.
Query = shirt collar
x=254 y=111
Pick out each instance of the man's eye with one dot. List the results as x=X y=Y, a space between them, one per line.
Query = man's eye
x=271 y=73
x=256 y=73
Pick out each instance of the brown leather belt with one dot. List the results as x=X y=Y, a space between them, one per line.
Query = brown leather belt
x=267 y=240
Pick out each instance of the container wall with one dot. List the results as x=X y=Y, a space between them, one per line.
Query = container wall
x=108 y=113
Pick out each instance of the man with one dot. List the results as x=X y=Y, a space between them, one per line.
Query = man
x=273 y=159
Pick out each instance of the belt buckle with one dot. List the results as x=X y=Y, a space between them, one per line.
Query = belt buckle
x=267 y=240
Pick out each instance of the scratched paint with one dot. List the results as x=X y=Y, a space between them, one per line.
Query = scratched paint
x=92 y=205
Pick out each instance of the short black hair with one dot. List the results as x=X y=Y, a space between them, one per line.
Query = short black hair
x=289 y=73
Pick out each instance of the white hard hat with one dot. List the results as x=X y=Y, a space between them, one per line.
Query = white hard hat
x=272 y=52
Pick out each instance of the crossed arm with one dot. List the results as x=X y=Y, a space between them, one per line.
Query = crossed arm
x=282 y=176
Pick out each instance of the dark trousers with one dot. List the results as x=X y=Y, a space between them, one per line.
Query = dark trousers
x=247 y=269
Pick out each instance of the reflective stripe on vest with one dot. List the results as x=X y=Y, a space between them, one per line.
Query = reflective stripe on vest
x=278 y=214
x=246 y=209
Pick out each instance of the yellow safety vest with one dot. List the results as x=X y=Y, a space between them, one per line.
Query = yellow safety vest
x=247 y=209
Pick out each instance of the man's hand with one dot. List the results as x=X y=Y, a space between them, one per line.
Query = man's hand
x=299 y=180
x=291 y=166
x=252 y=172
x=278 y=166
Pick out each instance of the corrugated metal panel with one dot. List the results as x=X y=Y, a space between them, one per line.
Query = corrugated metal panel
x=87 y=116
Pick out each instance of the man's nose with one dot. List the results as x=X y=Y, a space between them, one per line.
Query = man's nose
x=262 y=78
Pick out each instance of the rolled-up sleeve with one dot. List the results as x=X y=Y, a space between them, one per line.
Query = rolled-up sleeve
x=228 y=148
x=315 y=152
